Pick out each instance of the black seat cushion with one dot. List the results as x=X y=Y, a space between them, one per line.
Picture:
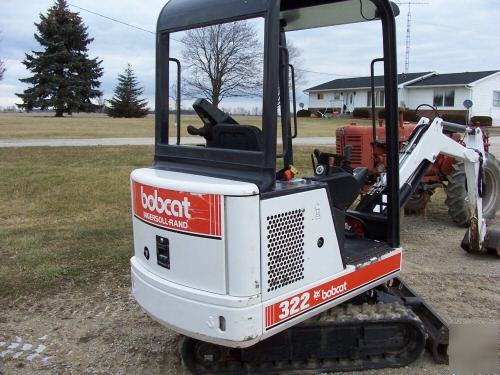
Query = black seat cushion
x=237 y=137
x=344 y=188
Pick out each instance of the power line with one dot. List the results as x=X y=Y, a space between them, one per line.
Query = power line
x=112 y=19
x=180 y=41
x=324 y=73
x=118 y=21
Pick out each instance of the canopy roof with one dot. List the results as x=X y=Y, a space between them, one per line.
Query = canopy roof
x=298 y=14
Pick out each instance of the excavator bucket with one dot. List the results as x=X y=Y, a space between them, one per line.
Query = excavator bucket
x=490 y=244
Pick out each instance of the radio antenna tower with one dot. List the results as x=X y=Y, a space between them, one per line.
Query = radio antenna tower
x=408 y=28
x=408 y=33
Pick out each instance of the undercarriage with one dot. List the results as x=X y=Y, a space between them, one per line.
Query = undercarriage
x=386 y=327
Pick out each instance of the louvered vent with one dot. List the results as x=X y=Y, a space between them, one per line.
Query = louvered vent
x=285 y=248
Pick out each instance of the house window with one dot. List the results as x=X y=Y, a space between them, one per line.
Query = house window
x=320 y=96
x=496 y=98
x=444 y=98
x=379 y=98
x=336 y=96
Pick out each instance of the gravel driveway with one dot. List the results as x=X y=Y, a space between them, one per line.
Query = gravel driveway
x=101 y=330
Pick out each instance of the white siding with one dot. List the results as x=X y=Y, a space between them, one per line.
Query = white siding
x=482 y=97
x=359 y=100
x=417 y=96
x=327 y=101
x=402 y=97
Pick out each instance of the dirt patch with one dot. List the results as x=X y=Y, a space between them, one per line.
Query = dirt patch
x=85 y=332
x=102 y=330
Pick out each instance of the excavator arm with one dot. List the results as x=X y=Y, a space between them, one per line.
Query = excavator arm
x=428 y=140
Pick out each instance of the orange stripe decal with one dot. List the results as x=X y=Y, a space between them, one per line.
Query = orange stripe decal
x=302 y=302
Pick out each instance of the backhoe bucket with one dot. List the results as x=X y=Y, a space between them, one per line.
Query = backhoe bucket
x=490 y=244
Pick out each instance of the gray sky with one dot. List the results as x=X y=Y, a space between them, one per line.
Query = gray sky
x=447 y=36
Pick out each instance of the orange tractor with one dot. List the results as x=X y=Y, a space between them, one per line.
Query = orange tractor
x=369 y=150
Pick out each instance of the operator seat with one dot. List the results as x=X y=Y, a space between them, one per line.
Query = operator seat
x=344 y=183
x=222 y=131
x=237 y=137
x=343 y=186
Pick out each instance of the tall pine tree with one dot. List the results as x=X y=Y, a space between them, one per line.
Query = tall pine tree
x=64 y=77
x=126 y=101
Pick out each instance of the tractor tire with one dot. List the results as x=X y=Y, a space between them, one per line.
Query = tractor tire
x=417 y=202
x=456 y=192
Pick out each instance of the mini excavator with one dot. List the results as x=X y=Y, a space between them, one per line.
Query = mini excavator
x=263 y=272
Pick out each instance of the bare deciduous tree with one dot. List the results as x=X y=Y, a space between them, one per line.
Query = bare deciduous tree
x=172 y=96
x=296 y=60
x=224 y=60
x=2 y=64
x=2 y=69
x=101 y=104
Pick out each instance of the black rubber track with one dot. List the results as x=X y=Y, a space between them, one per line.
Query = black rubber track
x=345 y=338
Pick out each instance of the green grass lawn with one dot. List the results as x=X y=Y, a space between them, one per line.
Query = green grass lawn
x=33 y=126
x=65 y=215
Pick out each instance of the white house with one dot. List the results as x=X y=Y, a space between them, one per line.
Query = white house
x=447 y=92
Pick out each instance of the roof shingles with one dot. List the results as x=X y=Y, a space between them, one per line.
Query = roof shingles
x=359 y=82
x=456 y=79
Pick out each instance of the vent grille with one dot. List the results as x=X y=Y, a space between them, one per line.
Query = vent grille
x=285 y=248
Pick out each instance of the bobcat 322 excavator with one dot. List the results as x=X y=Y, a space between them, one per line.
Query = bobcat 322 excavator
x=249 y=262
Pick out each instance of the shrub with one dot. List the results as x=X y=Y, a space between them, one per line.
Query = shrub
x=457 y=119
x=410 y=115
x=483 y=120
x=361 y=113
x=381 y=113
x=304 y=113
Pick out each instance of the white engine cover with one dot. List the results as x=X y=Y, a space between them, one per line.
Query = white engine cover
x=190 y=214
x=299 y=245
x=215 y=261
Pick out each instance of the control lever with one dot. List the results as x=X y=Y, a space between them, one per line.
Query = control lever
x=317 y=153
x=196 y=131
x=347 y=156
x=319 y=169
x=348 y=153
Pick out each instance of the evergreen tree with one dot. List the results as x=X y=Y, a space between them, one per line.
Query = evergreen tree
x=64 y=77
x=126 y=101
